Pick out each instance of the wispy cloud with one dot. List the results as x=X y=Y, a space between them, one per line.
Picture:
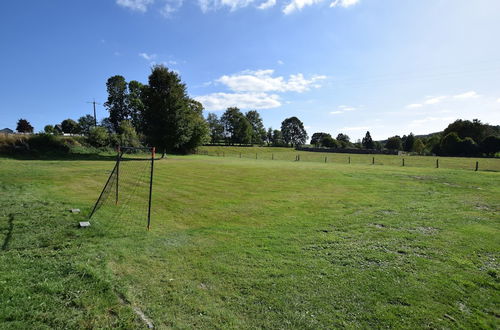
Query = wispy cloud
x=435 y=100
x=137 y=5
x=212 y=5
x=170 y=7
x=297 y=5
x=267 y=4
x=467 y=95
x=338 y=112
x=148 y=57
x=222 y=101
x=414 y=106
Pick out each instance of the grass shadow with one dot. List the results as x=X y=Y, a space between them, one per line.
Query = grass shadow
x=8 y=237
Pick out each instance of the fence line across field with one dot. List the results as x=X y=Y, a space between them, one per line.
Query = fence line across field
x=361 y=159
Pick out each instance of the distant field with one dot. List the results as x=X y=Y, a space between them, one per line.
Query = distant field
x=268 y=153
x=247 y=244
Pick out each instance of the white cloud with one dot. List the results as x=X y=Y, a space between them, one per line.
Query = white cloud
x=147 y=57
x=295 y=5
x=170 y=6
x=498 y=100
x=467 y=95
x=298 y=5
x=344 y=3
x=267 y=4
x=414 y=105
x=428 y=120
x=336 y=112
x=435 y=100
x=280 y=62
x=209 y=5
x=347 y=108
x=222 y=101
x=138 y=5
x=263 y=81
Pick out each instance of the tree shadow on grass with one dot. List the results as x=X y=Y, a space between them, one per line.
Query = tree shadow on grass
x=8 y=237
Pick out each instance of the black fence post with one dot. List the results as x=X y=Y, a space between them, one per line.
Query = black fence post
x=437 y=163
x=403 y=162
x=373 y=161
x=349 y=160
x=477 y=165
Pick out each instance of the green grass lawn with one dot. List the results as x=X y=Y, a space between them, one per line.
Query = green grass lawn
x=244 y=243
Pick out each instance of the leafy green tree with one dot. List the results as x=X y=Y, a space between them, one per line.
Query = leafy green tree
x=450 y=144
x=108 y=125
x=24 y=126
x=378 y=145
x=466 y=128
x=269 y=136
x=258 y=130
x=86 y=123
x=170 y=116
x=216 y=128
x=394 y=143
x=278 y=138
x=328 y=142
x=418 y=146
x=344 y=140
x=98 y=137
x=128 y=136
x=408 y=142
x=367 y=141
x=490 y=145
x=316 y=138
x=70 y=126
x=468 y=147
x=293 y=132
x=49 y=129
x=237 y=129
x=117 y=103
x=136 y=105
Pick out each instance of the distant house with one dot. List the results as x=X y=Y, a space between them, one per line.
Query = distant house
x=6 y=131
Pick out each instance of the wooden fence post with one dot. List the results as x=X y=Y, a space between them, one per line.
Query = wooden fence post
x=437 y=163
x=349 y=160
x=477 y=165
x=403 y=162
x=373 y=161
x=325 y=159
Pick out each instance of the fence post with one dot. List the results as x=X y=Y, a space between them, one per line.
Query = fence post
x=272 y=156
x=349 y=161
x=373 y=161
x=403 y=162
x=437 y=163
x=298 y=158
x=477 y=165
x=325 y=159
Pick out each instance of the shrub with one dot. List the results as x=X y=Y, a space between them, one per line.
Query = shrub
x=98 y=137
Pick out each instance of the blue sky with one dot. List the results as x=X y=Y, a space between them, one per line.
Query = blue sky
x=387 y=66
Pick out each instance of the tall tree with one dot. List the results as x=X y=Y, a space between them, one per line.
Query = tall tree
x=344 y=140
x=136 y=105
x=293 y=132
x=418 y=146
x=216 y=128
x=117 y=103
x=408 y=142
x=278 y=138
x=316 y=138
x=86 y=123
x=367 y=141
x=174 y=122
x=237 y=129
x=269 y=136
x=258 y=130
x=491 y=145
x=24 y=126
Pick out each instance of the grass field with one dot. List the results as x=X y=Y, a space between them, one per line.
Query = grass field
x=289 y=154
x=243 y=243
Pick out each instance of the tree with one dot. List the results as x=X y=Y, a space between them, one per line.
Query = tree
x=408 y=142
x=128 y=136
x=49 y=129
x=450 y=144
x=344 y=140
x=278 y=138
x=136 y=105
x=394 y=143
x=117 y=103
x=108 y=125
x=58 y=129
x=316 y=138
x=465 y=128
x=418 y=146
x=269 y=136
x=329 y=142
x=490 y=145
x=367 y=141
x=293 y=131
x=468 y=147
x=174 y=122
x=98 y=137
x=70 y=126
x=24 y=126
x=216 y=128
x=258 y=130
x=237 y=128
x=86 y=123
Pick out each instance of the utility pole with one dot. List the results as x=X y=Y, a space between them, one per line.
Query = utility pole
x=95 y=117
